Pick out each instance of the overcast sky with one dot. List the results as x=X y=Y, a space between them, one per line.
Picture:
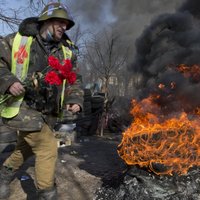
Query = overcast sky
x=129 y=15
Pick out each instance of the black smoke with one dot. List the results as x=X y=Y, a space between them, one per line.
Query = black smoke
x=171 y=40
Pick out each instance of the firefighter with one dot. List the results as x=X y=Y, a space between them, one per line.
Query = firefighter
x=34 y=110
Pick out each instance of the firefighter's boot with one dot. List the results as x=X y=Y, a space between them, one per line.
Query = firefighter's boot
x=6 y=176
x=48 y=194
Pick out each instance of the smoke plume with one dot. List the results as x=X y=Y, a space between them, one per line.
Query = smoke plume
x=169 y=42
x=161 y=36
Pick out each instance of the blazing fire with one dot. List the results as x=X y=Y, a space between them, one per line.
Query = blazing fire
x=190 y=71
x=165 y=143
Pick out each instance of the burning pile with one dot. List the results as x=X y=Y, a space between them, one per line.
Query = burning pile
x=164 y=136
x=165 y=133
x=163 y=140
x=152 y=141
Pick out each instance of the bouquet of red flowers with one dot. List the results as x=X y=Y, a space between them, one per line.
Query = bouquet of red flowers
x=59 y=72
x=41 y=87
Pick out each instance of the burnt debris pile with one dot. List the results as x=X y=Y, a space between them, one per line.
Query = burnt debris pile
x=139 y=184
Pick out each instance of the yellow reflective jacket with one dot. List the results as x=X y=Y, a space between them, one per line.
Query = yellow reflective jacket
x=19 y=67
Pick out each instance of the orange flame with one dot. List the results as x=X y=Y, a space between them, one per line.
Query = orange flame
x=161 y=86
x=190 y=71
x=152 y=138
x=163 y=143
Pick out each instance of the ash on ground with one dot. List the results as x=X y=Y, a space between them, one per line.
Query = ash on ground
x=139 y=184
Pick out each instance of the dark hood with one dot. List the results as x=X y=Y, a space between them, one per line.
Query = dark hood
x=29 y=27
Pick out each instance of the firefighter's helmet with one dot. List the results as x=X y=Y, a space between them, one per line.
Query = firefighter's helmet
x=56 y=10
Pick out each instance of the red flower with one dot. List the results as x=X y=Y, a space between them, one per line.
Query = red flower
x=54 y=62
x=53 y=78
x=65 y=68
x=60 y=72
x=67 y=64
x=71 y=77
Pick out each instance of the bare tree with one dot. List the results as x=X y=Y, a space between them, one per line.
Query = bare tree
x=105 y=57
x=9 y=18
